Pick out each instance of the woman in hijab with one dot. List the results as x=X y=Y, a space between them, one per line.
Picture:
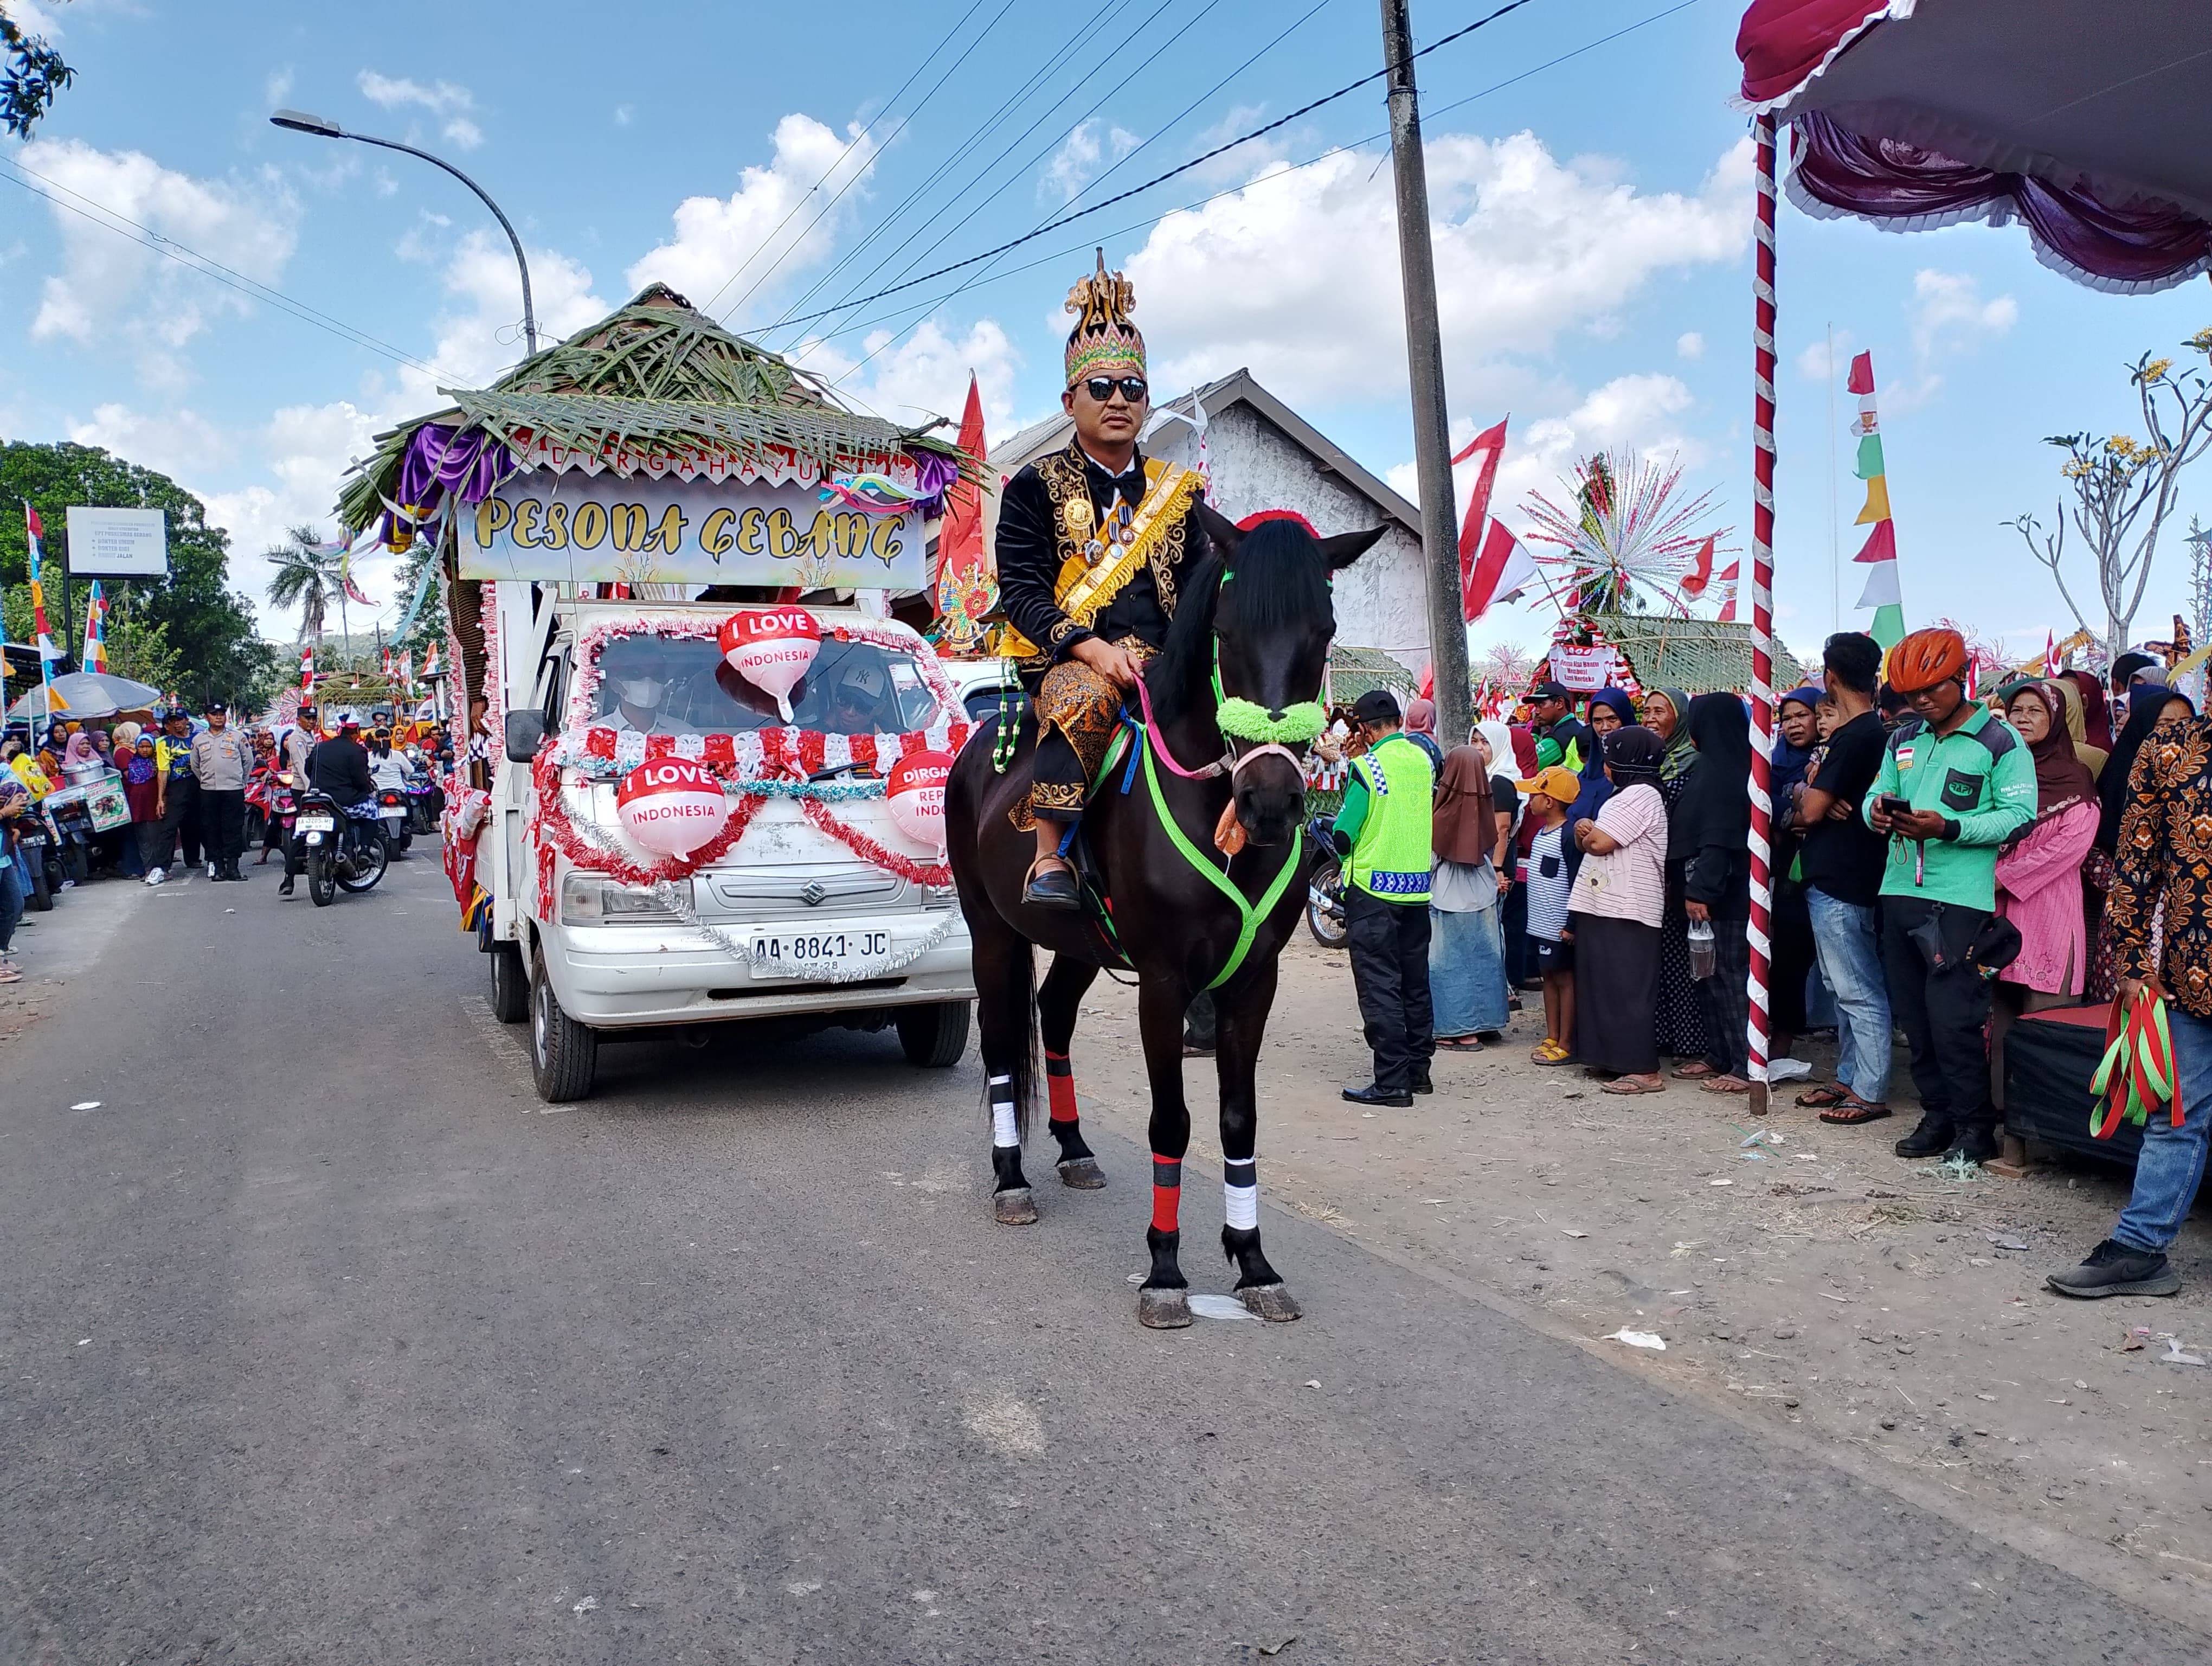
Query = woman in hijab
x=2097 y=721
x=1516 y=761
x=79 y=764
x=1710 y=834
x=1467 y=955
x=1421 y=729
x=2036 y=867
x=1610 y=711
x=1797 y=733
x=142 y=791
x=2149 y=704
x=1613 y=913
x=1682 y=1021
x=2093 y=756
x=1663 y=711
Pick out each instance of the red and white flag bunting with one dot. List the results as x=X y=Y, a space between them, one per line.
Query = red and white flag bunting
x=1493 y=566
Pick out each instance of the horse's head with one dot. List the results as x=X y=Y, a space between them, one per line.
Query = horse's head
x=1252 y=637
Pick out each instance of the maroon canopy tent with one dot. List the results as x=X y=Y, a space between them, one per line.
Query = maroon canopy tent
x=2085 y=122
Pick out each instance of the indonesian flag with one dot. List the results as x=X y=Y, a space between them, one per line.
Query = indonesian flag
x=1728 y=583
x=1484 y=571
x=407 y=670
x=34 y=533
x=1500 y=573
x=306 y=672
x=1701 y=574
x=387 y=662
x=430 y=662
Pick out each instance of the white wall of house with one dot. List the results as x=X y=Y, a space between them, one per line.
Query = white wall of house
x=1381 y=599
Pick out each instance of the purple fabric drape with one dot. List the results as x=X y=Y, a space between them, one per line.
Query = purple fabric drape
x=2130 y=248
x=933 y=475
x=466 y=466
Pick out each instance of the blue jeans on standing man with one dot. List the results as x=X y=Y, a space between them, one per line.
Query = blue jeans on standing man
x=2172 y=1163
x=1849 y=949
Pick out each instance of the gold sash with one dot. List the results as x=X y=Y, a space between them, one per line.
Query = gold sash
x=1083 y=592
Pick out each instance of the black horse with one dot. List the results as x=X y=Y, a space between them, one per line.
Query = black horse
x=1253 y=625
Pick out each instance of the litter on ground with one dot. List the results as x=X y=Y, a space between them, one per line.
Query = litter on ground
x=1639 y=1338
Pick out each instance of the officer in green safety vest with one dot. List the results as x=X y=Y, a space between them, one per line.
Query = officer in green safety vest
x=1384 y=833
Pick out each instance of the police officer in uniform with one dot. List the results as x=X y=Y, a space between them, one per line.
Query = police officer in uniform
x=1384 y=833
x=1093 y=544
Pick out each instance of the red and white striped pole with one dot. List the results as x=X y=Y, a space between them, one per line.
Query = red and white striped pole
x=1762 y=618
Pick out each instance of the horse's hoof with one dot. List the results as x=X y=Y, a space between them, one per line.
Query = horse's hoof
x=1014 y=1208
x=1083 y=1174
x=1163 y=1310
x=1272 y=1302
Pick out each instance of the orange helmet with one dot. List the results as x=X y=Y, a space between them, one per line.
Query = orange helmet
x=1926 y=657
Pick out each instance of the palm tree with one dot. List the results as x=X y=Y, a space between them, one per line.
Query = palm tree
x=307 y=578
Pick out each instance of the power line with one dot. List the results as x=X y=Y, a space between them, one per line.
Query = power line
x=945 y=207
x=854 y=178
x=926 y=307
x=1159 y=179
x=192 y=260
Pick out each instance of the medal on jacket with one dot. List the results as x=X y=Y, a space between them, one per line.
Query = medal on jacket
x=1076 y=516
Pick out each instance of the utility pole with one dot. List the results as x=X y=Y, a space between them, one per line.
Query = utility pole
x=1424 y=360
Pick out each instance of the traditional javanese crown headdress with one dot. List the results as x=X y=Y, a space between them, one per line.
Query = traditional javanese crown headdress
x=1103 y=339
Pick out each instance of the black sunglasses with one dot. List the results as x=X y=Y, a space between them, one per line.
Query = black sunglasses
x=1101 y=388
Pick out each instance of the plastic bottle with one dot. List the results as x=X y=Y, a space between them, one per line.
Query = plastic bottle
x=1703 y=958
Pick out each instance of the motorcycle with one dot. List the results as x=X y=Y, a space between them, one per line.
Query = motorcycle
x=341 y=849
x=1325 y=917
x=31 y=849
x=392 y=809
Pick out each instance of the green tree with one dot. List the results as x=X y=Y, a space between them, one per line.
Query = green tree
x=308 y=578
x=208 y=627
x=31 y=74
x=430 y=623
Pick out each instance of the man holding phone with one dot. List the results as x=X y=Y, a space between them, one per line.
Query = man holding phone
x=1955 y=780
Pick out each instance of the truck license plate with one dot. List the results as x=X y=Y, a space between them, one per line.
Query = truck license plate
x=793 y=954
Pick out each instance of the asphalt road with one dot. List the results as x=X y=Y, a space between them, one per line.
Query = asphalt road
x=318 y=1342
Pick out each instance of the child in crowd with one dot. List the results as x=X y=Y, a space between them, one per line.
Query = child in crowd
x=1550 y=943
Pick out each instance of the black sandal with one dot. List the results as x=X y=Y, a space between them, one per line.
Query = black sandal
x=1853 y=1112
x=1821 y=1098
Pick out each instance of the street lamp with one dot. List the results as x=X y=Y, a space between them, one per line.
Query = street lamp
x=298 y=121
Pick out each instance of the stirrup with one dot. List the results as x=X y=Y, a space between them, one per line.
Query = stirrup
x=1039 y=891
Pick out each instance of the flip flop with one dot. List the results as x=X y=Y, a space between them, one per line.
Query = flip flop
x=1458 y=1044
x=1626 y=1084
x=1727 y=1085
x=1696 y=1071
x=1549 y=1053
x=1819 y=1099
x=1852 y=1112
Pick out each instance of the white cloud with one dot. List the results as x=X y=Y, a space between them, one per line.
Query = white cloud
x=1826 y=358
x=1297 y=275
x=1076 y=162
x=481 y=334
x=277 y=86
x=624 y=114
x=452 y=104
x=112 y=286
x=926 y=374
x=1948 y=318
x=34 y=19
x=754 y=233
x=1690 y=345
x=179 y=443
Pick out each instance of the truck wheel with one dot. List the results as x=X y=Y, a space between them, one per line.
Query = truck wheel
x=935 y=1036
x=510 y=990
x=564 y=1054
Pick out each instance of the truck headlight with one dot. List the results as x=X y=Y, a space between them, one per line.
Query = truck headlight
x=593 y=899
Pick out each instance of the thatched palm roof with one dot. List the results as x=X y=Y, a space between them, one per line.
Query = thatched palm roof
x=656 y=377
x=1699 y=656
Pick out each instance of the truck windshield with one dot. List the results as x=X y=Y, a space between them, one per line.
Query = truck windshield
x=671 y=685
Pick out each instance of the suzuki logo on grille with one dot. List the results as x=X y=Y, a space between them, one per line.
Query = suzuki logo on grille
x=815 y=895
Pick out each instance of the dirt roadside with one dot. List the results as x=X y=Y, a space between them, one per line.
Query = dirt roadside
x=1812 y=1278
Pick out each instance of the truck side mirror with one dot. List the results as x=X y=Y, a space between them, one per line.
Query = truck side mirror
x=526 y=733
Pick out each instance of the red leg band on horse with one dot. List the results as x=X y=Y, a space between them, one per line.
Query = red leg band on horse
x=1167 y=1194
x=1060 y=1084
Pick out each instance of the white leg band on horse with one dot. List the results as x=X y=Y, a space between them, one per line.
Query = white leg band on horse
x=1003 y=1132
x=1241 y=1206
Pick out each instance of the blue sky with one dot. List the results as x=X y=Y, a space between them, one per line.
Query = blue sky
x=1592 y=231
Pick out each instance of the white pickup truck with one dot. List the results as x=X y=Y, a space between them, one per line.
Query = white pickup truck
x=791 y=921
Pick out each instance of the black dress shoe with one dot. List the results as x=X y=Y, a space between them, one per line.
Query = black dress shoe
x=1052 y=888
x=1932 y=1138
x=1372 y=1094
x=2113 y=1269
x=1973 y=1145
x=285 y=890
x=1422 y=1084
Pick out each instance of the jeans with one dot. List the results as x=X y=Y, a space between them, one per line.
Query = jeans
x=1850 y=964
x=2171 y=1162
x=1389 y=945
x=11 y=900
x=1944 y=1014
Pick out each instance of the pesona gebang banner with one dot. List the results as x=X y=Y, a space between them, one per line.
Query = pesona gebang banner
x=607 y=529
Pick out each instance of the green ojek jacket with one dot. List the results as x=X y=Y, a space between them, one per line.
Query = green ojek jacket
x=1980 y=778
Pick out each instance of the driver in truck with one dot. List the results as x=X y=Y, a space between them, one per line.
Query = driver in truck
x=634 y=689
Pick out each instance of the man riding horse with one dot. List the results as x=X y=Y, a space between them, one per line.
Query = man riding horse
x=1093 y=543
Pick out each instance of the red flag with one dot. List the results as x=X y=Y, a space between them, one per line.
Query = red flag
x=1694 y=585
x=1881 y=545
x=1861 y=378
x=1491 y=441
x=1728 y=578
x=960 y=539
x=1503 y=569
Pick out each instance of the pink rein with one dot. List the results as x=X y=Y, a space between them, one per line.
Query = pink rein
x=1232 y=765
